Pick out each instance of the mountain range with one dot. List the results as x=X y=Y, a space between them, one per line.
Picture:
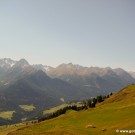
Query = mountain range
x=92 y=80
x=44 y=86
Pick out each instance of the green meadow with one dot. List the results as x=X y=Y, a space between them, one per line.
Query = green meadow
x=27 y=107
x=6 y=114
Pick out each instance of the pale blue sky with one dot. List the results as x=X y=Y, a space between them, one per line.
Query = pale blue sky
x=86 y=32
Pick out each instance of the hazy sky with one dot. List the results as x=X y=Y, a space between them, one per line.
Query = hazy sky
x=86 y=32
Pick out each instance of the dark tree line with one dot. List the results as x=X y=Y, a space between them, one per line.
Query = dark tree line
x=62 y=111
x=90 y=103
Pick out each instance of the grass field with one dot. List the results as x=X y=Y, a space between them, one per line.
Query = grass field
x=27 y=107
x=51 y=110
x=6 y=114
x=118 y=112
x=54 y=109
x=4 y=130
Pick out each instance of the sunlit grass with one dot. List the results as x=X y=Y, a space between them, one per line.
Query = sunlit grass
x=27 y=107
x=6 y=114
x=51 y=110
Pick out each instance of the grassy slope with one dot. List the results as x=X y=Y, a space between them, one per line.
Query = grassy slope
x=27 y=107
x=54 y=109
x=4 y=130
x=6 y=114
x=51 y=110
x=116 y=112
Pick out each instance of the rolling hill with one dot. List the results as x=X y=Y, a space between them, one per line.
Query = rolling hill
x=109 y=118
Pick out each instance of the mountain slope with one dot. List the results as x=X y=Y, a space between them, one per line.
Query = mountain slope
x=22 y=84
x=92 y=80
x=35 y=89
x=132 y=74
x=107 y=117
x=5 y=65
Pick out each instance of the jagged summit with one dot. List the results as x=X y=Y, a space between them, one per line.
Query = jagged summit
x=44 y=68
x=7 y=63
x=92 y=80
x=22 y=63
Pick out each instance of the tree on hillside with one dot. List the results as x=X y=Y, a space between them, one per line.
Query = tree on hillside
x=99 y=99
x=111 y=94
x=104 y=97
x=94 y=100
x=89 y=103
x=93 y=104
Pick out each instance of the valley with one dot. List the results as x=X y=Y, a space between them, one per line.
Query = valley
x=115 y=113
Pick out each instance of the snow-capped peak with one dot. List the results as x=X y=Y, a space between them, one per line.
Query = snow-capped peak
x=22 y=63
x=7 y=62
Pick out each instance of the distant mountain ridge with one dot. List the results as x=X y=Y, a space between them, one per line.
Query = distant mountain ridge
x=132 y=74
x=92 y=80
x=82 y=77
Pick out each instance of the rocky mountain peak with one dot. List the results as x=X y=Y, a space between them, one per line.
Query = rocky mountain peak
x=7 y=63
x=22 y=63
